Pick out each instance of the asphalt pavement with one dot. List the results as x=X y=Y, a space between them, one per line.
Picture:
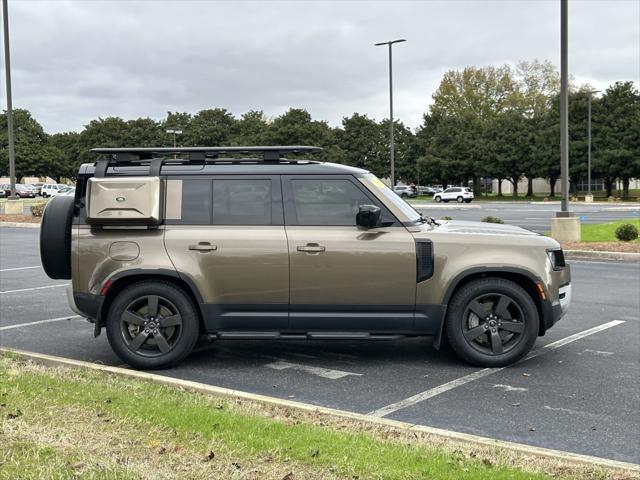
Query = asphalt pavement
x=533 y=216
x=579 y=391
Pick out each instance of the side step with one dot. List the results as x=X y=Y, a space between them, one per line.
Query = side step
x=245 y=335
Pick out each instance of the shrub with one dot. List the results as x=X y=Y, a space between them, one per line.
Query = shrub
x=627 y=232
x=446 y=218
x=491 y=219
x=38 y=209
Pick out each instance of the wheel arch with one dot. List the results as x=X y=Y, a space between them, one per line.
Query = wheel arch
x=121 y=280
x=520 y=276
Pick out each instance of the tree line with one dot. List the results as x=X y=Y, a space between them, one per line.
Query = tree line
x=490 y=122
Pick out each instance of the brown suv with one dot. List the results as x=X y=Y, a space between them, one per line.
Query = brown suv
x=250 y=243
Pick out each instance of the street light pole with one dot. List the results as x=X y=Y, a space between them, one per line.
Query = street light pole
x=174 y=132
x=7 y=65
x=391 y=122
x=564 y=111
x=589 y=140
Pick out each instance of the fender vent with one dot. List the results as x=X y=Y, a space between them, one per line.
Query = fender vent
x=424 y=259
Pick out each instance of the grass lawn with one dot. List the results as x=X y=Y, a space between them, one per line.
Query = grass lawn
x=60 y=423
x=634 y=195
x=605 y=232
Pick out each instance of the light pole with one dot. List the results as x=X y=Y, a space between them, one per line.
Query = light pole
x=175 y=132
x=7 y=65
x=590 y=93
x=391 y=123
x=564 y=111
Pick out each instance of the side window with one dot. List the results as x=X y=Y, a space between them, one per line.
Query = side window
x=242 y=202
x=189 y=202
x=326 y=202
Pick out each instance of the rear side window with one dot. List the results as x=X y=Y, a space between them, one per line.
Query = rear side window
x=195 y=206
x=242 y=202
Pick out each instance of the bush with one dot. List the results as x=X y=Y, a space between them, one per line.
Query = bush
x=626 y=232
x=38 y=209
x=491 y=219
x=446 y=218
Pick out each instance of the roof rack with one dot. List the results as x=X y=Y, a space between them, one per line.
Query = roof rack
x=268 y=153
x=158 y=155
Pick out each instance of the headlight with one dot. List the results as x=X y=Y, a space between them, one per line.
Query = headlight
x=556 y=257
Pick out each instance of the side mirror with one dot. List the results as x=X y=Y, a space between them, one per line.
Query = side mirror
x=368 y=216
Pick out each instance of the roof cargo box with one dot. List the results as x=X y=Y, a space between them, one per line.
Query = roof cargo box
x=124 y=201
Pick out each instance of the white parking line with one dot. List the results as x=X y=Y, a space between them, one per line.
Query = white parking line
x=458 y=382
x=319 y=371
x=18 y=268
x=34 y=288
x=50 y=320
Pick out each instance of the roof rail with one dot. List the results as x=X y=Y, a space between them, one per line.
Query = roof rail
x=267 y=153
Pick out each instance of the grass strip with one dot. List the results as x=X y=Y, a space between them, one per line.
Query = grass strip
x=133 y=426
x=605 y=232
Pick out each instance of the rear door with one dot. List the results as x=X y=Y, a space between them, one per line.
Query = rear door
x=343 y=277
x=225 y=235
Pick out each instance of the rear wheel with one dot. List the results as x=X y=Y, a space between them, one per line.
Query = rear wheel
x=492 y=322
x=152 y=325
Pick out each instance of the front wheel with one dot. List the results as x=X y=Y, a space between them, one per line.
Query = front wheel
x=152 y=324
x=460 y=199
x=438 y=199
x=492 y=322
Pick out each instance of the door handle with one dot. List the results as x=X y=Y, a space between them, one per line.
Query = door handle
x=203 y=247
x=311 y=248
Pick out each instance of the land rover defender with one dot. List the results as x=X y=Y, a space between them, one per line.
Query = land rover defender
x=165 y=245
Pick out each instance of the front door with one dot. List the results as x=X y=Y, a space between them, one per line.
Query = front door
x=226 y=236
x=344 y=277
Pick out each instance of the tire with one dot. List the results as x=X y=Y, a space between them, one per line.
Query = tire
x=505 y=334
x=55 y=238
x=460 y=199
x=403 y=195
x=136 y=333
x=438 y=199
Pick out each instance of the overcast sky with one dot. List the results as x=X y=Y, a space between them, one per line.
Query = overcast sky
x=73 y=61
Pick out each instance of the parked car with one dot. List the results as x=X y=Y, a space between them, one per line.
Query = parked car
x=22 y=191
x=68 y=191
x=2 y=193
x=37 y=187
x=405 y=191
x=51 y=189
x=422 y=190
x=459 y=194
x=279 y=248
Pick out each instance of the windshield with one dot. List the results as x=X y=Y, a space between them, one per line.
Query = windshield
x=393 y=197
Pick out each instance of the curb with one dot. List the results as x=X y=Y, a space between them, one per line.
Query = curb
x=572 y=458
x=602 y=256
x=20 y=224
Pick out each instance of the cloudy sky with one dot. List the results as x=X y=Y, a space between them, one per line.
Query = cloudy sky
x=73 y=61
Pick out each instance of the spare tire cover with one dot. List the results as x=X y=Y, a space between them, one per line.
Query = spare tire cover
x=55 y=237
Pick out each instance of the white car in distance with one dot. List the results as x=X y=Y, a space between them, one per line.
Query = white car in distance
x=458 y=194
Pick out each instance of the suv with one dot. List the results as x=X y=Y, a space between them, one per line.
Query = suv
x=405 y=191
x=459 y=194
x=51 y=189
x=248 y=243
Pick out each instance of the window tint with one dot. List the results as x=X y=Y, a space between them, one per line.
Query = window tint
x=327 y=202
x=242 y=202
x=196 y=202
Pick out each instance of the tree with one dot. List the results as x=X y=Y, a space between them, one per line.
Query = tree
x=251 y=129
x=33 y=154
x=617 y=152
x=509 y=138
x=210 y=128
x=363 y=143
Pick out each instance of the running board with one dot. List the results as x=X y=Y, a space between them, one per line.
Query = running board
x=242 y=335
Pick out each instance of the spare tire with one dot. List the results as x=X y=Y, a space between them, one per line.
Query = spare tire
x=55 y=237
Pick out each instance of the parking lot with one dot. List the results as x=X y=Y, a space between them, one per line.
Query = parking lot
x=578 y=390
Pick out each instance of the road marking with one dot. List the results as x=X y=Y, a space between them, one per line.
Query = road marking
x=34 y=288
x=39 y=322
x=458 y=382
x=18 y=268
x=319 y=371
x=598 y=353
x=509 y=388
